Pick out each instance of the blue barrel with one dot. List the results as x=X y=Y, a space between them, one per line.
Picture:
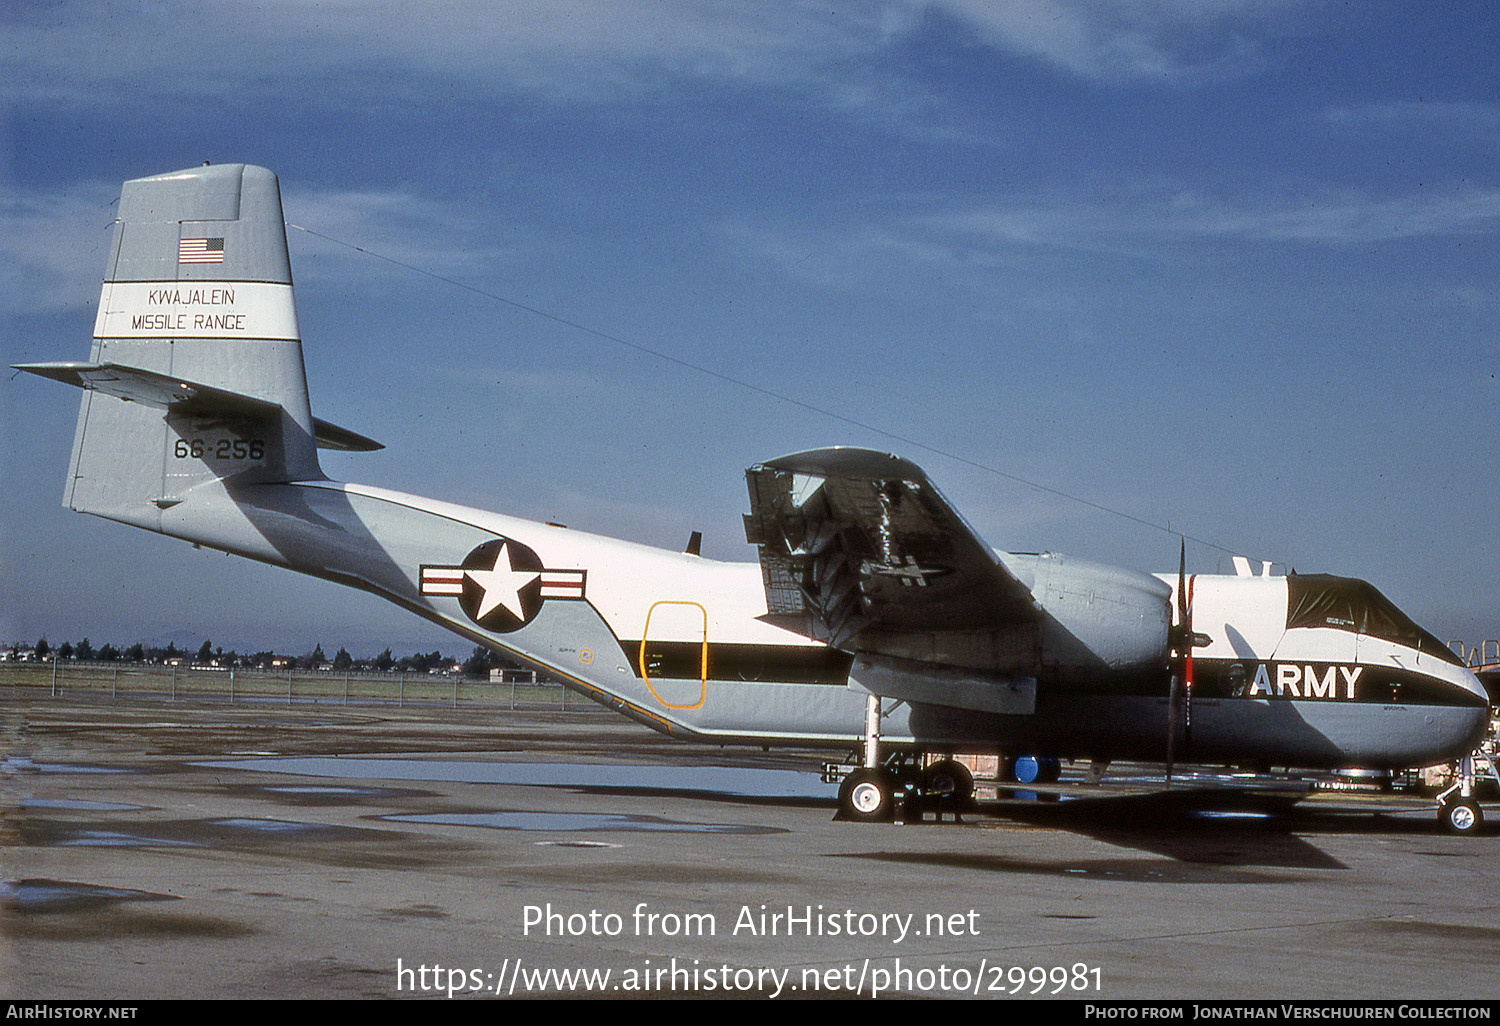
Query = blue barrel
x=1033 y=769
x=1028 y=768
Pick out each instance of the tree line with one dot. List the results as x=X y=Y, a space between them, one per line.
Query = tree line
x=478 y=664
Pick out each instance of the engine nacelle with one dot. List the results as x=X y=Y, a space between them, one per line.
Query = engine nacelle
x=1097 y=615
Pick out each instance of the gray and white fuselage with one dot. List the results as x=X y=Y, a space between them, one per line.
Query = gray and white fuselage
x=195 y=422
x=682 y=644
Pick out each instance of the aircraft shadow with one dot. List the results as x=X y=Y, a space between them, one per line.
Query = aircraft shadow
x=1162 y=824
x=700 y=794
x=1213 y=826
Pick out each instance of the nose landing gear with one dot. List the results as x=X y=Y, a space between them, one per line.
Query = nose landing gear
x=1460 y=815
x=1458 y=811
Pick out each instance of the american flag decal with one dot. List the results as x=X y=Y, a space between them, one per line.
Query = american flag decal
x=200 y=251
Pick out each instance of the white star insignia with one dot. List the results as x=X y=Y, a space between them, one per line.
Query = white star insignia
x=502 y=585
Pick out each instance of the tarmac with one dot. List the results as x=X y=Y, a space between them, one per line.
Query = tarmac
x=196 y=850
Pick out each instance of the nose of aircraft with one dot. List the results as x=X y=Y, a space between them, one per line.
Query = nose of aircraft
x=1477 y=722
x=1489 y=682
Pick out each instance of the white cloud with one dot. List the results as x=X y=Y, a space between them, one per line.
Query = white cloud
x=53 y=246
x=1479 y=120
x=1326 y=216
x=1171 y=41
x=396 y=227
x=569 y=48
x=977 y=245
x=54 y=242
x=86 y=51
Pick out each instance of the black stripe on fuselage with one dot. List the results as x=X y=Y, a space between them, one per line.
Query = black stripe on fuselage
x=1305 y=680
x=1357 y=683
x=753 y=664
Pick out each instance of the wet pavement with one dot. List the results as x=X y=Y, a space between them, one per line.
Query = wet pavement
x=179 y=850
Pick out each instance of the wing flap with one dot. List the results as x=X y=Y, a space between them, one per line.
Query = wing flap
x=923 y=683
x=868 y=549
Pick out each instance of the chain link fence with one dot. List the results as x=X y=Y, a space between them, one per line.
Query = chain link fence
x=74 y=678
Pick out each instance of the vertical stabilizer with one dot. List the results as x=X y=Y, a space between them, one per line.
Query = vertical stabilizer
x=198 y=290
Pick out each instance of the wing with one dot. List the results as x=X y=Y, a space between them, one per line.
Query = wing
x=866 y=551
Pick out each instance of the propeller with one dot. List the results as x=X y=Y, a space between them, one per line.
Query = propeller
x=1182 y=640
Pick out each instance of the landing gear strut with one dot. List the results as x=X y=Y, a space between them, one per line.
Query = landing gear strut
x=868 y=794
x=1458 y=812
x=872 y=792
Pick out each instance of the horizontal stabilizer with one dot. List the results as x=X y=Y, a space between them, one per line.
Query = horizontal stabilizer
x=331 y=436
x=137 y=385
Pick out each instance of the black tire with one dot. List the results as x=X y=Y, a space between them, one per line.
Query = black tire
x=948 y=778
x=1461 y=816
x=867 y=796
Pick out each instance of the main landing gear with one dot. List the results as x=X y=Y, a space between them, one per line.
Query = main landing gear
x=876 y=794
x=882 y=788
x=1458 y=812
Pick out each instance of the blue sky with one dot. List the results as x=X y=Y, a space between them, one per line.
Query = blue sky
x=1228 y=265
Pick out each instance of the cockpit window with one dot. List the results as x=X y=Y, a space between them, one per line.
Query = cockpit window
x=1322 y=600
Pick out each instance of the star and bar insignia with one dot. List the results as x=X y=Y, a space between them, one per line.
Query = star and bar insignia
x=502 y=584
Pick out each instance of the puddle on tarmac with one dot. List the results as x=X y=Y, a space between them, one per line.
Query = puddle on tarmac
x=76 y=803
x=320 y=795
x=23 y=764
x=712 y=780
x=199 y=833
x=35 y=896
x=1014 y=795
x=117 y=839
x=266 y=826
x=584 y=821
x=575 y=844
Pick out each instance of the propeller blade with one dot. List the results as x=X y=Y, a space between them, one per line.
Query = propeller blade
x=1171 y=727
x=1181 y=637
x=1190 y=642
x=1182 y=603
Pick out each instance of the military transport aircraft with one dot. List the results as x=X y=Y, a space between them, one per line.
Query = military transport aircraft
x=877 y=620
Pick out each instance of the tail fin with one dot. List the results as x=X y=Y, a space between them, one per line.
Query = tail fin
x=196 y=373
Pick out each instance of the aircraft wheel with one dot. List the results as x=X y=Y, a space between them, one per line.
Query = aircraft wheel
x=867 y=796
x=948 y=778
x=1461 y=816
